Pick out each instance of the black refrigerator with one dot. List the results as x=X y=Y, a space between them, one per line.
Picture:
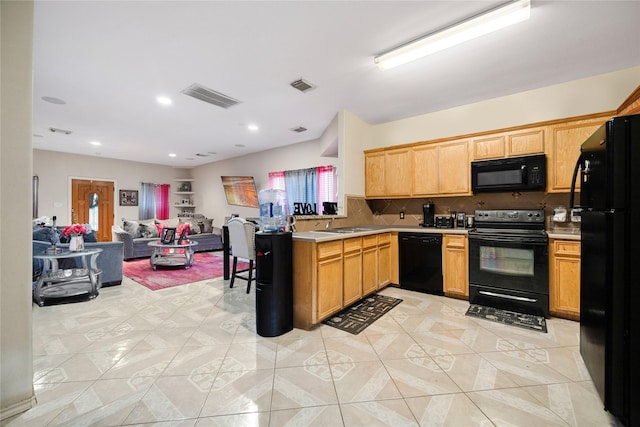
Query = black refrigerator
x=609 y=167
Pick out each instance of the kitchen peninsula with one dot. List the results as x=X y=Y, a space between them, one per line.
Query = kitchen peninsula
x=334 y=268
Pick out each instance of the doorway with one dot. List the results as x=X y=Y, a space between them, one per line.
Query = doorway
x=92 y=203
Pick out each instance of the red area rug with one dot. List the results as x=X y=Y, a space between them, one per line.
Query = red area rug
x=206 y=266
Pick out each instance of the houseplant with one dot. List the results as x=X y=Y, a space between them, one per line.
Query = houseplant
x=76 y=233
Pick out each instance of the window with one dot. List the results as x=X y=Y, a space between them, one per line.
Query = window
x=154 y=201
x=309 y=187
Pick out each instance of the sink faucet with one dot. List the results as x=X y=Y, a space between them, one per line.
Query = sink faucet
x=328 y=226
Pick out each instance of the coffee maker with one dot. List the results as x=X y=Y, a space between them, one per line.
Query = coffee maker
x=428 y=215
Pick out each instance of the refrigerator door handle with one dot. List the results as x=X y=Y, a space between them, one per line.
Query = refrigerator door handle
x=573 y=182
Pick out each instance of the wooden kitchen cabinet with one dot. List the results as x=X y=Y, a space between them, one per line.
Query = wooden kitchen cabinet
x=384 y=259
x=525 y=142
x=489 y=147
x=352 y=262
x=453 y=168
x=329 y=270
x=388 y=173
x=564 y=279
x=369 y=264
x=441 y=169
x=522 y=142
x=374 y=174
x=566 y=139
x=329 y=276
x=455 y=265
x=425 y=170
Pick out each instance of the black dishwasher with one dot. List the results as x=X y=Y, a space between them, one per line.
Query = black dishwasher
x=421 y=262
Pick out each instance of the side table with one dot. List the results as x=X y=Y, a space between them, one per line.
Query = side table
x=57 y=283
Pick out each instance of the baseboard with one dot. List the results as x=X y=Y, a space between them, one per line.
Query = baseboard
x=18 y=408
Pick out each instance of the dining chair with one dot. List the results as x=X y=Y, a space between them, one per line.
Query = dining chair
x=243 y=245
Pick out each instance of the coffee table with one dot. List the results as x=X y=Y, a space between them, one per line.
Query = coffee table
x=172 y=255
x=59 y=283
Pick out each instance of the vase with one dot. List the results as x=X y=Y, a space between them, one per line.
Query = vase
x=76 y=243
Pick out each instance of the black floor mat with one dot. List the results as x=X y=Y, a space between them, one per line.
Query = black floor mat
x=355 y=318
x=527 y=321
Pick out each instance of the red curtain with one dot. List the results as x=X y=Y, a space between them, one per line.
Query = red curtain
x=162 y=201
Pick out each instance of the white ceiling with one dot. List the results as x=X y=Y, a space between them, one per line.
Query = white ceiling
x=109 y=60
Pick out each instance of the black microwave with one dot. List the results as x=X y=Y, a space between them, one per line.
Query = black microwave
x=527 y=173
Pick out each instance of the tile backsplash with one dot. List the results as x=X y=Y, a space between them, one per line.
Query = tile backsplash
x=387 y=211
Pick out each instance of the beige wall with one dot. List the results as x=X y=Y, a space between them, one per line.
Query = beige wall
x=16 y=352
x=355 y=136
x=596 y=94
x=55 y=171
x=208 y=186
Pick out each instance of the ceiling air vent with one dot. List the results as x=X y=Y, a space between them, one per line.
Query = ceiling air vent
x=56 y=130
x=210 y=96
x=299 y=129
x=302 y=85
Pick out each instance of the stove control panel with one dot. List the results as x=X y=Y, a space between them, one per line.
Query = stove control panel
x=510 y=216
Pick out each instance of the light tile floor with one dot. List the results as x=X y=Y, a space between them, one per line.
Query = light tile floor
x=190 y=356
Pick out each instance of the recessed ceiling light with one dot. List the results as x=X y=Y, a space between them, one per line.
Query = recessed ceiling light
x=95 y=143
x=253 y=128
x=53 y=100
x=172 y=155
x=240 y=145
x=164 y=100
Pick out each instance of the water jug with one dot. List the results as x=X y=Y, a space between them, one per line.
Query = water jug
x=273 y=210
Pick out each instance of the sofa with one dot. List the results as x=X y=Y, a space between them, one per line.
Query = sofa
x=136 y=234
x=109 y=260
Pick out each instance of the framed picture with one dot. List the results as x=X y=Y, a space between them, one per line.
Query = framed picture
x=168 y=236
x=183 y=237
x=128 y=197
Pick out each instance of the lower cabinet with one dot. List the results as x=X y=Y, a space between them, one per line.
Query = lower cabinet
x=369 y=264
x=352 y=264
x=455 y=265
x=384 y=260
x=328 y=276
x=329 y=270
x=564 y=279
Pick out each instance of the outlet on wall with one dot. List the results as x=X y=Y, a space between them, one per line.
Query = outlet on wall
x=401 y=214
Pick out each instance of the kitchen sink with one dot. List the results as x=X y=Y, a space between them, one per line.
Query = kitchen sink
x=345 y=230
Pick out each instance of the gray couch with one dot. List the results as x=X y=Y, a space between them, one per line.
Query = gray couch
x=109 y=260
x=136 y=246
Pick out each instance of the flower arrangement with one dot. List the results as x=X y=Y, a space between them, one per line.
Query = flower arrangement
x=74 y=230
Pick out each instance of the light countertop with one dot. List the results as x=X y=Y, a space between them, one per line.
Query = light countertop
x=366 y=230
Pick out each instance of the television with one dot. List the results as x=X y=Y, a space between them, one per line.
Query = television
x=240 y=191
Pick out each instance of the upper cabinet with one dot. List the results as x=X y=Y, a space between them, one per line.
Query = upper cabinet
x=564 y=150
x=388 y=173
x=509 y=144
x=442 y=167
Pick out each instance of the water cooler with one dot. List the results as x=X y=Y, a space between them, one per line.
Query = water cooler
x=274 y=284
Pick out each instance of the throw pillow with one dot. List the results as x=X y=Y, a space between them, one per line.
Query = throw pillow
x=207 y=225
x=194 y=227
x=132 y=227
x=148 y=230
x=90 y=237
x=171 y=222
x=46 y=234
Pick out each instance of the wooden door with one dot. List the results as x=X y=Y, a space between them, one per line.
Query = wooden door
x=92 y=203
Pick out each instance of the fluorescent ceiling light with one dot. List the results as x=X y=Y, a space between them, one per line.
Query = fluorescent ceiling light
x=480 y=25
x=95 y=143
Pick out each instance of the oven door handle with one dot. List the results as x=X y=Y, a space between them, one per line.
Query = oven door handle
x=510 y=239
x=505 y=296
